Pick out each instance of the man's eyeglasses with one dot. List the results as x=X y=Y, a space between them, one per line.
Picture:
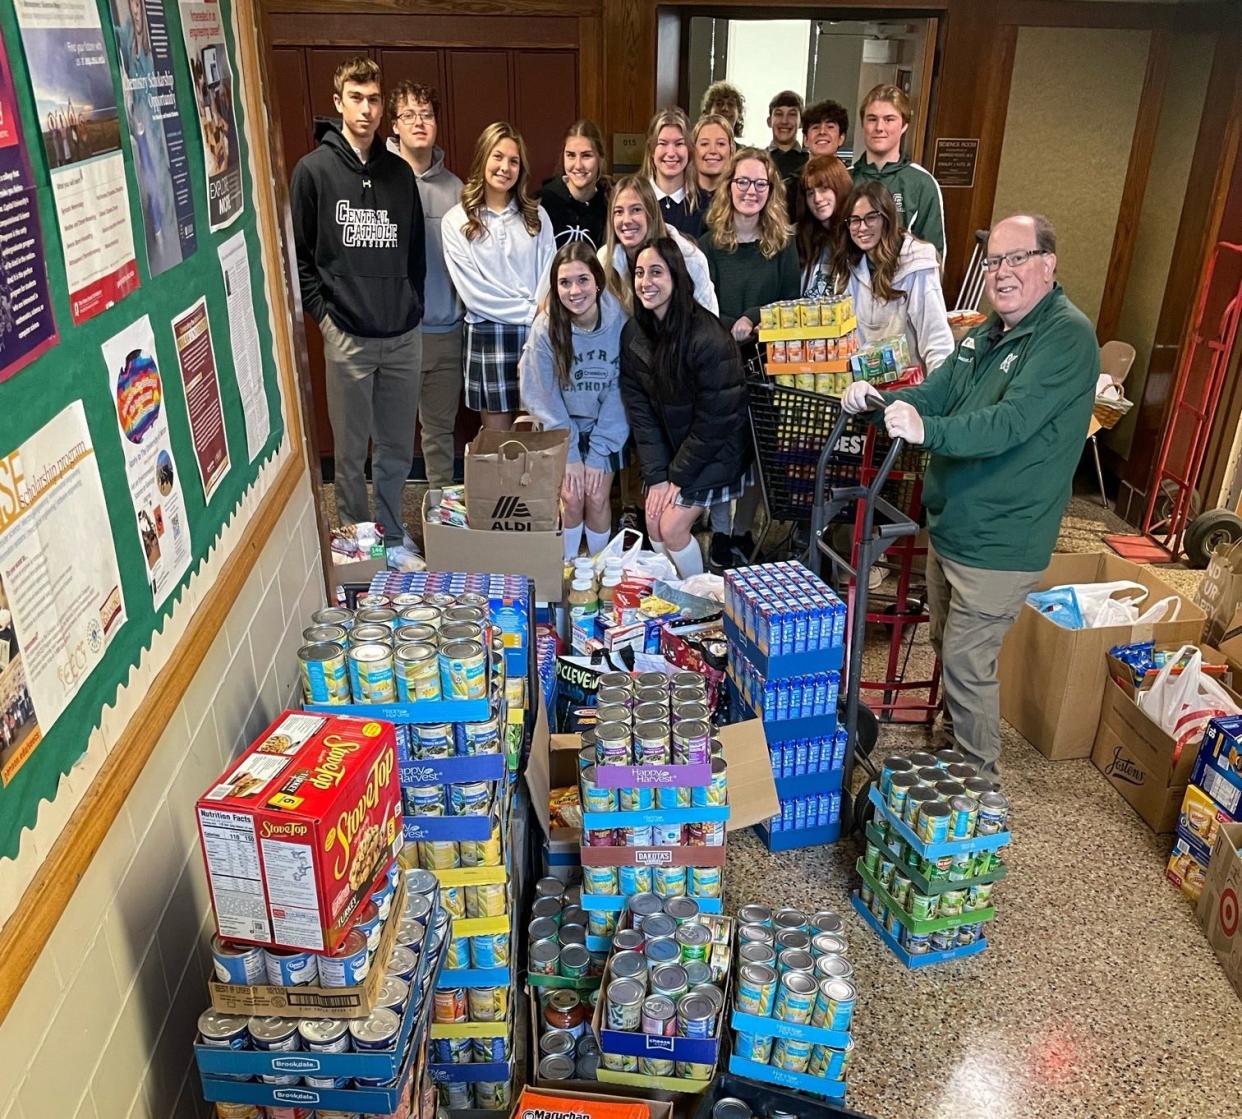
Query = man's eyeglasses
x=1015 y=259
x=871 y=220
x=410 y=116
x=743 y=184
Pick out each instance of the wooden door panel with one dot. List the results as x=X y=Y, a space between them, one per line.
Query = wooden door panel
x=479 y=93
x=321 y=64
x=545 y=88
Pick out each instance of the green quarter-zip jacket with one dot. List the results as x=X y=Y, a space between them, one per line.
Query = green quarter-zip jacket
x=915 y=193
x=1005 y=419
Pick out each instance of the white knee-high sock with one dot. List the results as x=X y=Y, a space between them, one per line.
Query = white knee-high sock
x=573 y=540
x=658 y=546
x=687 y=560
x=596 y=541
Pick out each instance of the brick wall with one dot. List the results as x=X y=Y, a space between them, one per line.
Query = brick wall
x=103 y=1027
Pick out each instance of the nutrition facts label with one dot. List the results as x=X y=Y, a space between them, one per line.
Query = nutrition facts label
x=232 y=853
x=291 y=889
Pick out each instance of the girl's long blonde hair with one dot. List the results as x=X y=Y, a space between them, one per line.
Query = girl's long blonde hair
x=672 y=117
x=623 y=286
x=474 y=193
x=702 y=123
x=774 y=230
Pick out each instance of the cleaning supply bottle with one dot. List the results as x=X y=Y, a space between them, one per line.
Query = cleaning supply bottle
x=583 y=611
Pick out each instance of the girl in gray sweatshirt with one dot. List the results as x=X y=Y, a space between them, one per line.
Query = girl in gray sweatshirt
x=569 y=380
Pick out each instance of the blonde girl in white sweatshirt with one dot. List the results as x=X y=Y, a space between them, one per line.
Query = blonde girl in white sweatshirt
x=498 y=244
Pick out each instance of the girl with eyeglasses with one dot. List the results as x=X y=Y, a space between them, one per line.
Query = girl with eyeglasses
x=685 y=397
x=713 y=145
x=498 y=243
x=666 y=166
x=577 y=199
x=748 y=243
x=569 y=379
x=823 y=186
x=892 y=276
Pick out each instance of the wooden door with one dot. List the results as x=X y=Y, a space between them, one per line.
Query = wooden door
x=545 y=88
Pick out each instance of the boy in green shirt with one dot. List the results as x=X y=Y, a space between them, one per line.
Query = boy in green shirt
x=1005 y=418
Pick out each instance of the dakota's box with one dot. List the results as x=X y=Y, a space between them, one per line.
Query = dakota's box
x=1052 y=678
x=298 y=828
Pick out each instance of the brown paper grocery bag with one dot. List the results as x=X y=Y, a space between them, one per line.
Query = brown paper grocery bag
x=513 y=480
x=1220 y=590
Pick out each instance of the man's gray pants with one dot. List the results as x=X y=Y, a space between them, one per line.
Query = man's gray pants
x=971 y=610
x=372 y=386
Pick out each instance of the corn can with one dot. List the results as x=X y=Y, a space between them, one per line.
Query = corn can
x=488 y=1004
x=486 y=901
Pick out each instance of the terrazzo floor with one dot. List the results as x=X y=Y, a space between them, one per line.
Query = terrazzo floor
x=1098 y=995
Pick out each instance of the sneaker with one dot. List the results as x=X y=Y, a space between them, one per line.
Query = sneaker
x=407 y=542
x=720 y=554
x=744 y=546
x=401 y=558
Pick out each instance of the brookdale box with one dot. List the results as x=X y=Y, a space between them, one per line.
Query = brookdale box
x=1141 y=760
x=1052 y=678
x=1218 y=910
x=538 y=555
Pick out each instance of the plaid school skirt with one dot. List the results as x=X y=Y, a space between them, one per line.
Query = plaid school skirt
x=616 y=459
x=716 y=495
x=493 y=350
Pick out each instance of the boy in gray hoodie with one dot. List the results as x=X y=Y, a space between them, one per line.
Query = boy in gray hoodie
x=414 y=112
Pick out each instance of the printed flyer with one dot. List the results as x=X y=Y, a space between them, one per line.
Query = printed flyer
x=155 y=131
x=196 y=358
x=76 y=106
x=57 y=617
x=202 y=24
x=154 y=482
x=244 y=339
x=27 y=328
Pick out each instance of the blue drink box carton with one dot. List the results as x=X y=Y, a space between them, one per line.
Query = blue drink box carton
x=1218 y=768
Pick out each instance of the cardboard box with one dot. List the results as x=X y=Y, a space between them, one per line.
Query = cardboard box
x=1139 y=759
x=1052 y=678
x=532 y=1104
x=296 y=830
x=1218 y=904
x=539 y=555
x=1218 y=769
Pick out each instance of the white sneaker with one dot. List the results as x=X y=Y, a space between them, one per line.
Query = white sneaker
x=401 y=558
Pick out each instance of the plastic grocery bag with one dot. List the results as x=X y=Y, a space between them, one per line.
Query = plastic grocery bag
x=1183 y=700
x=1058 y=604
x=1096 y=605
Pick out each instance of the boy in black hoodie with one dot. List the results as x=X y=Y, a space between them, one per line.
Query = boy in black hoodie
x=359 y=235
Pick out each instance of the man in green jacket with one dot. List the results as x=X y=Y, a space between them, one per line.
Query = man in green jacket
x=886 y=114
x=1005 y=418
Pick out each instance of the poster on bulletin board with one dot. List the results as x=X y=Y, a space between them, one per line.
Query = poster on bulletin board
x=131 y=437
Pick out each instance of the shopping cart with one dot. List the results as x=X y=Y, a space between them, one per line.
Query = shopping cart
x=881 y=525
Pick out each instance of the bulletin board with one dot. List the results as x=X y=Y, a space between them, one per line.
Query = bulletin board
x=127 y=440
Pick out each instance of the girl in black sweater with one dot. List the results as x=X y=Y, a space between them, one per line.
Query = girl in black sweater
x=685 y=397
x=577 y=200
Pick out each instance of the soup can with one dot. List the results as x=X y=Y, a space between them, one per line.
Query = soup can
x=290 y=967
x=224 y=1031
x=243 y=964
x=274 y=1035
x=394 y=994
x=333 y=616
x=378 y=1030
x=325 y=678
x=348 y=965
x=463 y=671
x=324 y=1035
x=752 y=1047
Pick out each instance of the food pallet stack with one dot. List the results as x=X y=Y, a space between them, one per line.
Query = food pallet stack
x=564 y=978
x=786 y=631
x=661 y=1009
x=808 y=343
x=932 y=857
x=793 y=1000
x=654 y=792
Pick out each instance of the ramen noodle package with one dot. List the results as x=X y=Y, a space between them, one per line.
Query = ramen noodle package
x=295 y=832
x=576 y=1105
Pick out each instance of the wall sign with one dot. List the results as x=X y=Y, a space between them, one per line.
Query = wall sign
x=954 y=162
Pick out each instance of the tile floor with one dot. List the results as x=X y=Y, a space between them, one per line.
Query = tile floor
x=1098 y=995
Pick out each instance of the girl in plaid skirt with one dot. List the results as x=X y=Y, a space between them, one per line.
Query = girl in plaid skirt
x=498 y=243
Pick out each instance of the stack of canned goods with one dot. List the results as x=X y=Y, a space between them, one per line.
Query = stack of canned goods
x=250 y=965
x=666 y=978
x=784 y=608
x=564 y=976
x=730 y=1107
x=793 y=969
x=942 y=799
x=403 y=648
x=422 y=931
x=823 y=331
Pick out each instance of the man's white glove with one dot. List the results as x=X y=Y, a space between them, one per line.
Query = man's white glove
x=903 y=421
x=861 y=397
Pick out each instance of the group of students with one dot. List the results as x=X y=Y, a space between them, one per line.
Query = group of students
x=620 y=308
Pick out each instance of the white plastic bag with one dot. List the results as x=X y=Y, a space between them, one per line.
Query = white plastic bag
x=1183 y=702
x=1109 y=604
x=625 y=546
x=1162 y=610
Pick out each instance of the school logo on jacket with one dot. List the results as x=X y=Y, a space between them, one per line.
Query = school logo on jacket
x=572 y=233
x=365 y=228
x=1007 y=364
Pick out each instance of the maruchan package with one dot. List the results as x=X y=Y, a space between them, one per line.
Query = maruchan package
x=297 y=830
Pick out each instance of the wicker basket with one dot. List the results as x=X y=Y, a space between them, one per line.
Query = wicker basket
x=1109 y=410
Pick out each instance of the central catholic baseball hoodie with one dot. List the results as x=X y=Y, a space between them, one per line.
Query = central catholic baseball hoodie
x=358 y=232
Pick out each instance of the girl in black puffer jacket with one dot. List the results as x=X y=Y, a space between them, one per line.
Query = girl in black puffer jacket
x=685 y=397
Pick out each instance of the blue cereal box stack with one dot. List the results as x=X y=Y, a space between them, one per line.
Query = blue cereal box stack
x=786 y=631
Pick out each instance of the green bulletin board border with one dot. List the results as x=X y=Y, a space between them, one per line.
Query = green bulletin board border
x=74 y=369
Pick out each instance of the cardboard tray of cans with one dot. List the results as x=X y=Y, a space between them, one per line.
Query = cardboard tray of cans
x=451 y=771
x=454 y=829
x=403 y=1057
x=475 y=1072
x=937 y=850
x=918 y=878
x=764 y=1100
x=914 y=924
x=480 y=976
x=691 y=1050
x=311 y=1001
x=925 y=959
x=799 y=1081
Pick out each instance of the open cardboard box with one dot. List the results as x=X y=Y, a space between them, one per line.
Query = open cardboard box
x=1139 y=759
x=553 y=764
x=1218 y=903
x=539 y=555
x=1052 y=678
